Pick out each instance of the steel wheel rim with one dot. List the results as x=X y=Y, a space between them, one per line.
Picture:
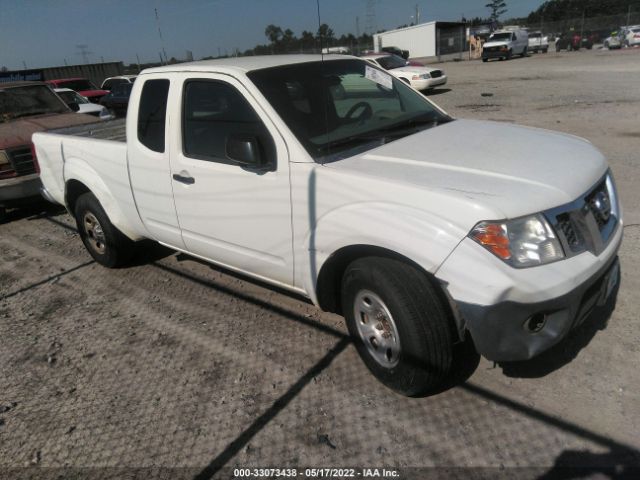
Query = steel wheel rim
x=377 y=329
x=94 y=233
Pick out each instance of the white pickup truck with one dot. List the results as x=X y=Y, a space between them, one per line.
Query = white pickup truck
x=335 y=180
x=538 y=42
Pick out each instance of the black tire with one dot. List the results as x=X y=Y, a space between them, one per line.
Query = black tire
x=3 y=215
x=509 y=54
x=545 y=50
x=485 y=60
x=418 y=316
x=525 y=52
x=104 y=242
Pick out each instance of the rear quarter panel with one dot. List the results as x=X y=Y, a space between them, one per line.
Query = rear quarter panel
x=101 y=165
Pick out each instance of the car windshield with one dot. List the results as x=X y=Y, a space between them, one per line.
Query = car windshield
x=77 y=85
x=391 y=61
x=339 y=108
x=72 y=97
x=500 y=36
x=29 y=100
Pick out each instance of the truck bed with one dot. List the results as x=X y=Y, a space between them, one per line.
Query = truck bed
x=114 y=130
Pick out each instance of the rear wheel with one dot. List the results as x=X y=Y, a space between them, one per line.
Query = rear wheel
x=401 y=328
x=509 y=54
x=106 y=244
x=485 y=60
x=525 y=52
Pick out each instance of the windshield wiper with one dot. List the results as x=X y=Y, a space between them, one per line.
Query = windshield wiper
x=399 y=129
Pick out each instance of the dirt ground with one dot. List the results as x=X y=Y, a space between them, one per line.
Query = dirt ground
x=174 y=369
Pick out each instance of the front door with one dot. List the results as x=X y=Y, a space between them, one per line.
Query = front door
x=232 y=213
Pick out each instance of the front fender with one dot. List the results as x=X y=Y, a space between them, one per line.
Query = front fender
x=420 y=236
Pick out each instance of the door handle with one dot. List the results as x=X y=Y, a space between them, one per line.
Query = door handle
x=184 y=179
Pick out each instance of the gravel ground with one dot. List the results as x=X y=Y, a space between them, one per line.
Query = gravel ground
x=174 y=369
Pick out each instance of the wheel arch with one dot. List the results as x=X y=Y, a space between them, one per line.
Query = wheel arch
x=329 y=282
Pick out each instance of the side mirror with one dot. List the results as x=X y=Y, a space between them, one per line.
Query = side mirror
x=74 y=106
x=244 y=149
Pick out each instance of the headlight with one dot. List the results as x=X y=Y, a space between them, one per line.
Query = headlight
x=426 y=75
x=523 y=242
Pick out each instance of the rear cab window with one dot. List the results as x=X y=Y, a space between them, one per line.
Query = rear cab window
x=152 y=114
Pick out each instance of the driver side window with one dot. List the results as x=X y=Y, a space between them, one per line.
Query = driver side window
x=214 y=111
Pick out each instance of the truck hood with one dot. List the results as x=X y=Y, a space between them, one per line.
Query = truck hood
x=499 y=43
x=18 y=132
x=510 y=170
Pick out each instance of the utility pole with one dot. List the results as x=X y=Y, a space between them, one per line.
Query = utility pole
x=629 y=15
x=160 y=34
x=357 y=35
x=417 y=14
x=138 y=59
x=84 y=52
x=24 y=64
x=582 y=28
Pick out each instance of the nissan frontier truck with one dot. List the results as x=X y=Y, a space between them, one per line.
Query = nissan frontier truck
x=333 y=179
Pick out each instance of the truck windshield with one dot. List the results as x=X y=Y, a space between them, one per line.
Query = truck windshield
x=28 y=100
x=500 y=36
x=337 y=106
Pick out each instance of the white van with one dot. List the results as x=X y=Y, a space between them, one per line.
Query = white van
x=503 y=44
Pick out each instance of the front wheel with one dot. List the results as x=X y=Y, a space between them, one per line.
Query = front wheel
x=3 y=214
x=106 y=244
x=401 y=327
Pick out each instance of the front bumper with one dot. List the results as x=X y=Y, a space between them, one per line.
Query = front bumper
x=498 y=304
x=425 y=83
x=12 y=190
x=509 y=331
x=495 y=54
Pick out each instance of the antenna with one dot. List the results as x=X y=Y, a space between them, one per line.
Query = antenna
x=83 y=50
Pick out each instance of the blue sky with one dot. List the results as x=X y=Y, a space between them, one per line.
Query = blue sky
x=41 y=33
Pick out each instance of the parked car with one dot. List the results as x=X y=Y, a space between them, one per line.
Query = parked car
x=81 y=85
x=117 y=100
x=632 y=36
x=109 y=83
x=341 y=50
x=538 y=42
x=396 y=51
x=504 y=44
x=420 y=78
x=613 y=41
x=25 y=108
x=81 y=104
x=375 y=204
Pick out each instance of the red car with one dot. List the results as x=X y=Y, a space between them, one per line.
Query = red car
x=81 y=85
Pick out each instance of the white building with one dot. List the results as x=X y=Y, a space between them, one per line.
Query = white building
x=431 y=39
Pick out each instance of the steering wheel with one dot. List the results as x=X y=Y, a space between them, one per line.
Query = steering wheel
x=367 y=112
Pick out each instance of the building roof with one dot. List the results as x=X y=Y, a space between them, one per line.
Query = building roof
x=18 y=84
x=244 y=64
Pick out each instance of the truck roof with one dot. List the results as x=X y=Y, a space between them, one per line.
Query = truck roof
x=244 y=64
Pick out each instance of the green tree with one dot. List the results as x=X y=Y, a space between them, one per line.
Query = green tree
x=498 y=8
x=273 y=33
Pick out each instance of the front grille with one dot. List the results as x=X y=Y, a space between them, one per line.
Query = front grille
x=571 y=233
x=588 y=223
x=436 y=74
x=22 y=161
